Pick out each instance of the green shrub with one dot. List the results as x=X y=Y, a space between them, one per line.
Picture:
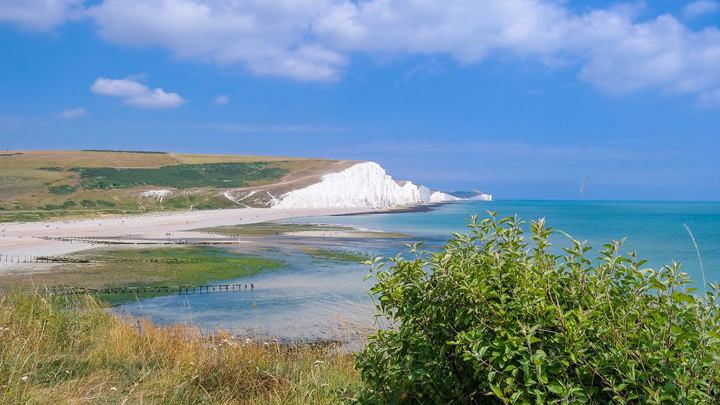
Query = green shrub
x=220 y=175
x=51 y=169
x=62 y=189
x=491 y=319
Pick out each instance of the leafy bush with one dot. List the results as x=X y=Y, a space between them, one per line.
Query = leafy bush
x=51 y=169
x=491 y=319
x=62 y=189
x=66 y=204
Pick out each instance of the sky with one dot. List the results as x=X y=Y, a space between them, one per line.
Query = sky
x=523 y=99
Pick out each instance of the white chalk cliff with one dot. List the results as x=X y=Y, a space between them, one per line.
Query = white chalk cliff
x=439 y=196
x=364 y=185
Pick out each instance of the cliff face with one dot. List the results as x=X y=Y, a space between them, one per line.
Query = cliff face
x=363 y=185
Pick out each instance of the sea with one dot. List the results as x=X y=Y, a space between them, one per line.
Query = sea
x=313 y=299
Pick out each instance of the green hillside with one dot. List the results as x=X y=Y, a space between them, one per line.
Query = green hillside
x=37 y=185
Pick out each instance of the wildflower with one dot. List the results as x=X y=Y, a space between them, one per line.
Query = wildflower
x=67 y=371
x=7 y=329
x=192 y=364
x=318 y=362
x=266 y=344
x=24 y=379
x=113 y=389
x=248 y=341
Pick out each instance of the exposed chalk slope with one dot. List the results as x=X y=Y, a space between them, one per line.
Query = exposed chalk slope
x=364 y=185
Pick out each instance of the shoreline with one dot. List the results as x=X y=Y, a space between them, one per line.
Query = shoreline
x=62 y=237
x=425 y=207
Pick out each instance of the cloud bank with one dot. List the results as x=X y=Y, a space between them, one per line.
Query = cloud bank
x=136 y=94
x=613 y=49
x=39 y=15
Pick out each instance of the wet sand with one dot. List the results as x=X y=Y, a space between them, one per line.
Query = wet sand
x=20 y=241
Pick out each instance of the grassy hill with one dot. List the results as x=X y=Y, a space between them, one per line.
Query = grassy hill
x=36 y=185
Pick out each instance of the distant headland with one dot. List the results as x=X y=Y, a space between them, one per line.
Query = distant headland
x=40 y=185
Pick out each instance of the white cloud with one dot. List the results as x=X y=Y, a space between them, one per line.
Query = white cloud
x=269 y=37
x=697 y=8
x=72 y=113
x=136 y=94
x=222 y=100
x=312 y=40
x=39 y=15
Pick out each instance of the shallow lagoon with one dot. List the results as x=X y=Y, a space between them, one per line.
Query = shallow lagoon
x=315 y=299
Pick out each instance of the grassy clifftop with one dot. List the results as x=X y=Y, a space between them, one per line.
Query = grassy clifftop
x=36 y=185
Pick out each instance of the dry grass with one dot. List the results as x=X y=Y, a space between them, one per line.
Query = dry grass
x=71 y=350
x=16 y=183
x=34 y=159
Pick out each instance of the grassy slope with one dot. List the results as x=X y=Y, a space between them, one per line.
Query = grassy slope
x=25 y=188
x=70 y=350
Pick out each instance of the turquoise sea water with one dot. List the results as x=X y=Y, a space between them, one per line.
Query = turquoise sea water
x=306 y=299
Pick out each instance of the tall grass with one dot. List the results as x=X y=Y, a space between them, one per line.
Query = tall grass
x=71 y=349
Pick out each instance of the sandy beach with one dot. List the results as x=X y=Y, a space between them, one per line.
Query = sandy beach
x=20 y=241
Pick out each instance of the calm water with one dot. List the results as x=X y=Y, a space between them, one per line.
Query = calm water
x=306 y=299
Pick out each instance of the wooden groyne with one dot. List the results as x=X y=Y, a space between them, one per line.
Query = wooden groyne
x=166 y=290
x=61 y=259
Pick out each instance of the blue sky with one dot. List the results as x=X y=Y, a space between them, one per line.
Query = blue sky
x=519 y=98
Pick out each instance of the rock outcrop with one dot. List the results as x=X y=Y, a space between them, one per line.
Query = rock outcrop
x=363 y=185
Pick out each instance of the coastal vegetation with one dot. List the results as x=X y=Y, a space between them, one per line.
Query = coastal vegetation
x=218 y=175
x=35 y=185
x=492 y=317
x=495 y=319
x=70 y=349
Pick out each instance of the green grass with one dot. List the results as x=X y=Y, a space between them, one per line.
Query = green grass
x=63 y=189
x=219 y=175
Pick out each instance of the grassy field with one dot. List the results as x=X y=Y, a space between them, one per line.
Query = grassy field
x=38 y=185
x=71 y=350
